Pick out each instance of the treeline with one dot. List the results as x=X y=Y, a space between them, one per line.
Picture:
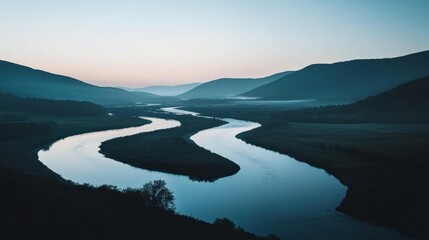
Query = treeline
x=62 y=108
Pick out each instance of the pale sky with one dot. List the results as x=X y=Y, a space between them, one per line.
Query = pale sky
x=140 y=43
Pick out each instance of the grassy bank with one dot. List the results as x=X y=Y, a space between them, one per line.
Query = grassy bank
x=28 y=125
x=172 y=151
x=383 y=165
x=21 y=152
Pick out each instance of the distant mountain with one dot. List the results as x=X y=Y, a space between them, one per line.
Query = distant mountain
x=167 y=90
x=27 y=82
x=345 y=81
x=407 y=103
x=228 y=87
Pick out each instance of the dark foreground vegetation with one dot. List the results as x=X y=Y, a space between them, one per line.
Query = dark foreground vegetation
x=48 y=209
x=37 y=203
x=172 y=151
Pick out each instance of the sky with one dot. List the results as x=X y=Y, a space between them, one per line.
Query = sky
x=159 y=42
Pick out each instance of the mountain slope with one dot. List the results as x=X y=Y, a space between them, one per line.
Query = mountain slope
x=27 y=82
x=167 y=90
x=12 y=106
x=407 y=103
x=229 y=87
x=345 y=81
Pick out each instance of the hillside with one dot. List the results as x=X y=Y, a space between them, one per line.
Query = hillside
x=167 y=90
x=407 y=103
x=12 y=105
x=229 y=87
x=344 y=82
x=27 y=82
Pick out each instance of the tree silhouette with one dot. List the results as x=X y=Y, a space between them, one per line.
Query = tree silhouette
x=156 y=194
x=225 y=223
x=272 y=237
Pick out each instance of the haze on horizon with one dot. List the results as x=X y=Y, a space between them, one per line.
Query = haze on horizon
x=140 y=43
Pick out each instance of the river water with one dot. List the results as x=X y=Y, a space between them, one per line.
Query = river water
x=272 y=192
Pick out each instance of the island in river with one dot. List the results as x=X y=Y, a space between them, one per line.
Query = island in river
x=172 y=151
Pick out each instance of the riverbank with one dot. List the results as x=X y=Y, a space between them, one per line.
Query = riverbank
x=172 y=151
x=383 y=165
x=21 y=153
x=36 y=202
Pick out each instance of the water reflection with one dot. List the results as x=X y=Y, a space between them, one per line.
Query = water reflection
x=271 y=193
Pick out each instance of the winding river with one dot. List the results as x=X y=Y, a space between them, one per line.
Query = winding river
x=272 y=192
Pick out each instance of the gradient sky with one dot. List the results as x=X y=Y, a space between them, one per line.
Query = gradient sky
x=139 y=43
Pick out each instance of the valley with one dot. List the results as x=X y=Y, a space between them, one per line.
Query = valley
x=248 y=155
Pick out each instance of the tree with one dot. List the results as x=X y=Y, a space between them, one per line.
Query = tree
x=157 y=195
x=225 y=223
x=272 y=237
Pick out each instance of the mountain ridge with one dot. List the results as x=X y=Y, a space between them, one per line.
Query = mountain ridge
x=25 y=81
x=345 y=81
x=228 y=87
x=406 y=103
x=167 y=90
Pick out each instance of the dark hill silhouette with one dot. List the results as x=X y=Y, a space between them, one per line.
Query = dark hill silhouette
x=345 y=81
x=27 y=82
x=228 y=87
x=407 y=103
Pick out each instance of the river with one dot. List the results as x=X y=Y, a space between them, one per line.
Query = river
x=272 y=192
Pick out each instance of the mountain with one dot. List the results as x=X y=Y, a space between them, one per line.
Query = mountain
x=167 y=90
x=229 y=87
x=406 y=103
x=27 y=82
x=345 y=81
